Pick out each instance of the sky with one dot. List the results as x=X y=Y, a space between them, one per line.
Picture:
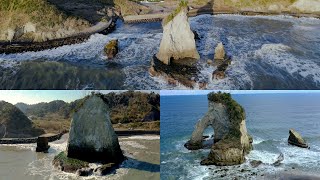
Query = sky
x=37 y=96
x=204 y=92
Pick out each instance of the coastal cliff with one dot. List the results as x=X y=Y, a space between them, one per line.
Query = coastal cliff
x=231 y=139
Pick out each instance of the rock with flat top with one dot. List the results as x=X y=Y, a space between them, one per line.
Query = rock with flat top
x=42 y=144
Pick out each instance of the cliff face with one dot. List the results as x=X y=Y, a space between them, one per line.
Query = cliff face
x=178 y=40
x=232 y=142
x=14 y=124
x=92 y=137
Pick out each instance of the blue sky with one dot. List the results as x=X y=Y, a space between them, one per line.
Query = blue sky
x=203 y=92
x=36 y=96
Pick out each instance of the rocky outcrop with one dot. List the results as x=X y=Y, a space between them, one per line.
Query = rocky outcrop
x=222 y=61
x=111 y=49
x=153 y=115
x=296 y=139
x=178 y=42
x=231 y=140
x=42 y=144
x=92 y=137
x=219 y=52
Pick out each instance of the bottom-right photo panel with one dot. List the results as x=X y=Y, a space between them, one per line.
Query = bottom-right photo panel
x=240 y=134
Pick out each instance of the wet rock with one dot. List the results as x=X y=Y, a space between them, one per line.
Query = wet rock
x=279 y=160
x=185 y=73
x=66 y=164
x=255 y=163
x=84 y=172
x=219 y=73
x=111 y=49
x=105 y=169
x=92 y=137
x=178 y=41
x=42 y=144
x=232 y=141
x=196 y=35
x=296 y=139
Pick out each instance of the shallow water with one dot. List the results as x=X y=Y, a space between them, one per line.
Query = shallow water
x=269 y=118
x=22 y=162
x=274 y=52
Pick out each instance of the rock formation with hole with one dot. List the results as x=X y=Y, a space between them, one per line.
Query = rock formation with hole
x=231 y=139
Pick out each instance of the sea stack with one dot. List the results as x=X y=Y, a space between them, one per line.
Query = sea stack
x=177 y=56
x=178 y=40
x=296 y=139
x=92 y=137
x=42 y=144
x=231 y=139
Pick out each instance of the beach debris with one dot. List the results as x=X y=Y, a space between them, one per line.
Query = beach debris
x=231 y=139
x=42 y=144
x=296 y=139
x=111 y=49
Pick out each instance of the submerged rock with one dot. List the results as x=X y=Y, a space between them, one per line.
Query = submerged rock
x=296 y=139
x=92 y=137
x=279 y=160
x=66 y=164
x=42 y=144
x=232 y=142
x=255 y=163
x=111 y=49
x=178 y=41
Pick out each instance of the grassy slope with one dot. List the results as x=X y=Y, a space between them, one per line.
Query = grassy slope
x=16 y=13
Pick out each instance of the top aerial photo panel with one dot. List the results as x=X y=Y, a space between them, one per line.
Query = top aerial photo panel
x=154 y=45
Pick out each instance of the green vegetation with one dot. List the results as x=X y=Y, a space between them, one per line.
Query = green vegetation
x=182 y=4
x=128 y=110
x=235 y=111
x=69 y=164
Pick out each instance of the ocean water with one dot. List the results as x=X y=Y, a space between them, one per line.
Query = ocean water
x=269 y=118
x=20 y=161
x=273 y=52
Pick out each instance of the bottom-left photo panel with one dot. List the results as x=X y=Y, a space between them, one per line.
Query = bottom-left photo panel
x=79 y=134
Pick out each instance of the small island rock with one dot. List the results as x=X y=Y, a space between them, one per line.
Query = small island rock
x=111 y=49
x=296 y=139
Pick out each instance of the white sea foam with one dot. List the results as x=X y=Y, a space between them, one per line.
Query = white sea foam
x=155 y=137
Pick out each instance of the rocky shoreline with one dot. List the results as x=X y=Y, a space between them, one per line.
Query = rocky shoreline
x=19 y=47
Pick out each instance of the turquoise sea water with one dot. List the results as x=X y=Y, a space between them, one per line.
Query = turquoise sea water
x=269 y=118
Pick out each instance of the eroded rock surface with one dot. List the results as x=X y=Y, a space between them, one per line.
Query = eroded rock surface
x=231 y=139
x=296 y=139
x=92 y=137
x=178 y=41
x=111 y=49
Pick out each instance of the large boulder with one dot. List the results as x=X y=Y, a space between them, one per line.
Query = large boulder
x=296 y=139
x=92 y=137
x=219 y=52
x=231 y=139
x=111 y=49
x=178 y=41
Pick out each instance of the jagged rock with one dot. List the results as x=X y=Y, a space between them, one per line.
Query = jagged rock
x=255 y=163
x=105 y=169
x=84 y=172
x=186 y=74
x=111 y=49
x=92 y=137
x=227 y=118
x=219 y=73
x=42 y=144
x=178 y=41
x=296 y=139
x=279 y=160
x=219 y=52
x=66 y=164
